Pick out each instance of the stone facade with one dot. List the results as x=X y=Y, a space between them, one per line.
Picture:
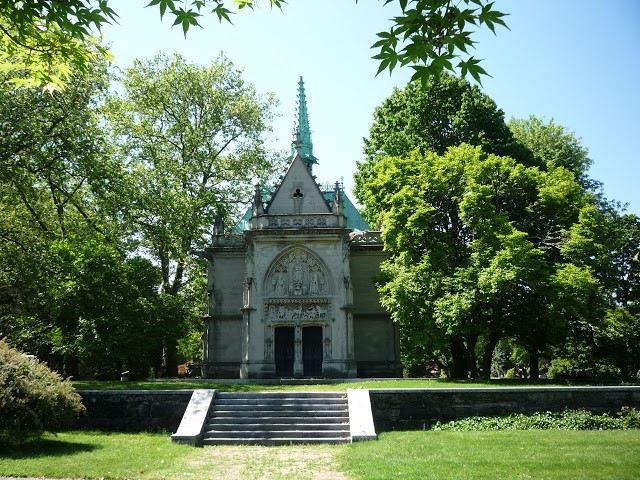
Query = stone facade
x=292 y=294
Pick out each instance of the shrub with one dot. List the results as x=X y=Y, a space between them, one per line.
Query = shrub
x=566 y=420
x=569 y=369
x=33 y=399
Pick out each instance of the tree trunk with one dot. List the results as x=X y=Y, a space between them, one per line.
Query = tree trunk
x=472 y=364
x=458 y=353
x=487 y=356
x=534 y=361
x=170 y=350
x=70 y=366
x=158 y=354
x=170 y=360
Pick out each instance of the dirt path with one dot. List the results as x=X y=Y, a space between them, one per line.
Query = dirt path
x=262 y=463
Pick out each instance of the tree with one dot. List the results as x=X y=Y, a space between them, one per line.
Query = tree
x=49 y=39
x=618 y=341
x=43 y=43
x=432 y=34
x=192 y=143
x=474 y=257
x=53 y=170
x=447 y=112
x=553 y=146
x=607 y=243
x=109 y=311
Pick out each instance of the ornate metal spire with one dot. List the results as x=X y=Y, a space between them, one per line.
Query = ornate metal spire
x=301 y=142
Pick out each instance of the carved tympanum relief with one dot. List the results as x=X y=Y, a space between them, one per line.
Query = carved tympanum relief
x=297 y=273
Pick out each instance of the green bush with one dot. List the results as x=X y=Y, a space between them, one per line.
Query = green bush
x=33 y=399
x=566 y=420
x=571 y=369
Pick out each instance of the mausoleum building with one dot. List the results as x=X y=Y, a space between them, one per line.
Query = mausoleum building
x=291 y=292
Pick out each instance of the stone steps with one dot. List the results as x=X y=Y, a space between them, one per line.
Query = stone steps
x=278 y=419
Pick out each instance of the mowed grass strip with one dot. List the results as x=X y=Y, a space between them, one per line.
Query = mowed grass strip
x=316 y=387
x=548 y=454
x=95 y=455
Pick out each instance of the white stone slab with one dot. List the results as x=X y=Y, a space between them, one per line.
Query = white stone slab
x=194 y=418
x=360 y=416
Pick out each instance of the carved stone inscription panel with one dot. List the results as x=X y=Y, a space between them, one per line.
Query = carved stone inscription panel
x=316 y=310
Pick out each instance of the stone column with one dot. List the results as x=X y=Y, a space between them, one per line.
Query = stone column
x=298 y=366
x=246 y=324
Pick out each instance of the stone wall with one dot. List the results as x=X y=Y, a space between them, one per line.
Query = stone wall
x=397 y=409
x=133 y=410
x=416 y=409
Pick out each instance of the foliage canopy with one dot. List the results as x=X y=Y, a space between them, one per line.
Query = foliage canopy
x=447 y=112
x=497 y=237
x=43 y=42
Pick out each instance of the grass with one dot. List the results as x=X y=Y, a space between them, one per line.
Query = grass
x=421 y=455
x=153 y=456
x=549 y=454
x=334 y=387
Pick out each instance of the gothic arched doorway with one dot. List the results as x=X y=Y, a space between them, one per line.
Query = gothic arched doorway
x=312 y=351
x=284 y=350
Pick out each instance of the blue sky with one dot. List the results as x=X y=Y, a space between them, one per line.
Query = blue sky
x=576 y=61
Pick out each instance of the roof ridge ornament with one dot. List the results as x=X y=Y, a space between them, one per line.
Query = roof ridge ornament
x=338 y=207
x=258 y=207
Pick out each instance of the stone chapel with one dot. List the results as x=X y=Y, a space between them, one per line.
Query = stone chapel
x=291 y=291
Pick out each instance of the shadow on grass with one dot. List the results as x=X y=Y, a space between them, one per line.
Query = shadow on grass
x=45 y=447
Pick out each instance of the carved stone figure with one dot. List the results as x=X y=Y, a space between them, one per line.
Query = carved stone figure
x=314 y=284
x=298 y=278
x=279 y=284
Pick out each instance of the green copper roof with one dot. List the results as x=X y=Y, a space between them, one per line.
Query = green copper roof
x=354 y=219
x=301 y=141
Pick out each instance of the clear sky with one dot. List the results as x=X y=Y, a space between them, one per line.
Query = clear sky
x=577 y=61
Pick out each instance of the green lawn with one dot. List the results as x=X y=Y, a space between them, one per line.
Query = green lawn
x=96 y=455
x=255 y=387
x=549 y=454
x=420 y=455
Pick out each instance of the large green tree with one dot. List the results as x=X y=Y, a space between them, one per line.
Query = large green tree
x=68 y=287
x=191 y=140
x=50 y=39
x=474 y=252
x=447 y=112
x=52 y=172
x=108 y=310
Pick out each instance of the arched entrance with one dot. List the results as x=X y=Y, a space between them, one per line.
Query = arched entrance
x=284 y=351
x=312 y=351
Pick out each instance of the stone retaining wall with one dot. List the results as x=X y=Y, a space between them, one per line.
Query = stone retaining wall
x=393 y=409
x=417 y=409
x=133 y=410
